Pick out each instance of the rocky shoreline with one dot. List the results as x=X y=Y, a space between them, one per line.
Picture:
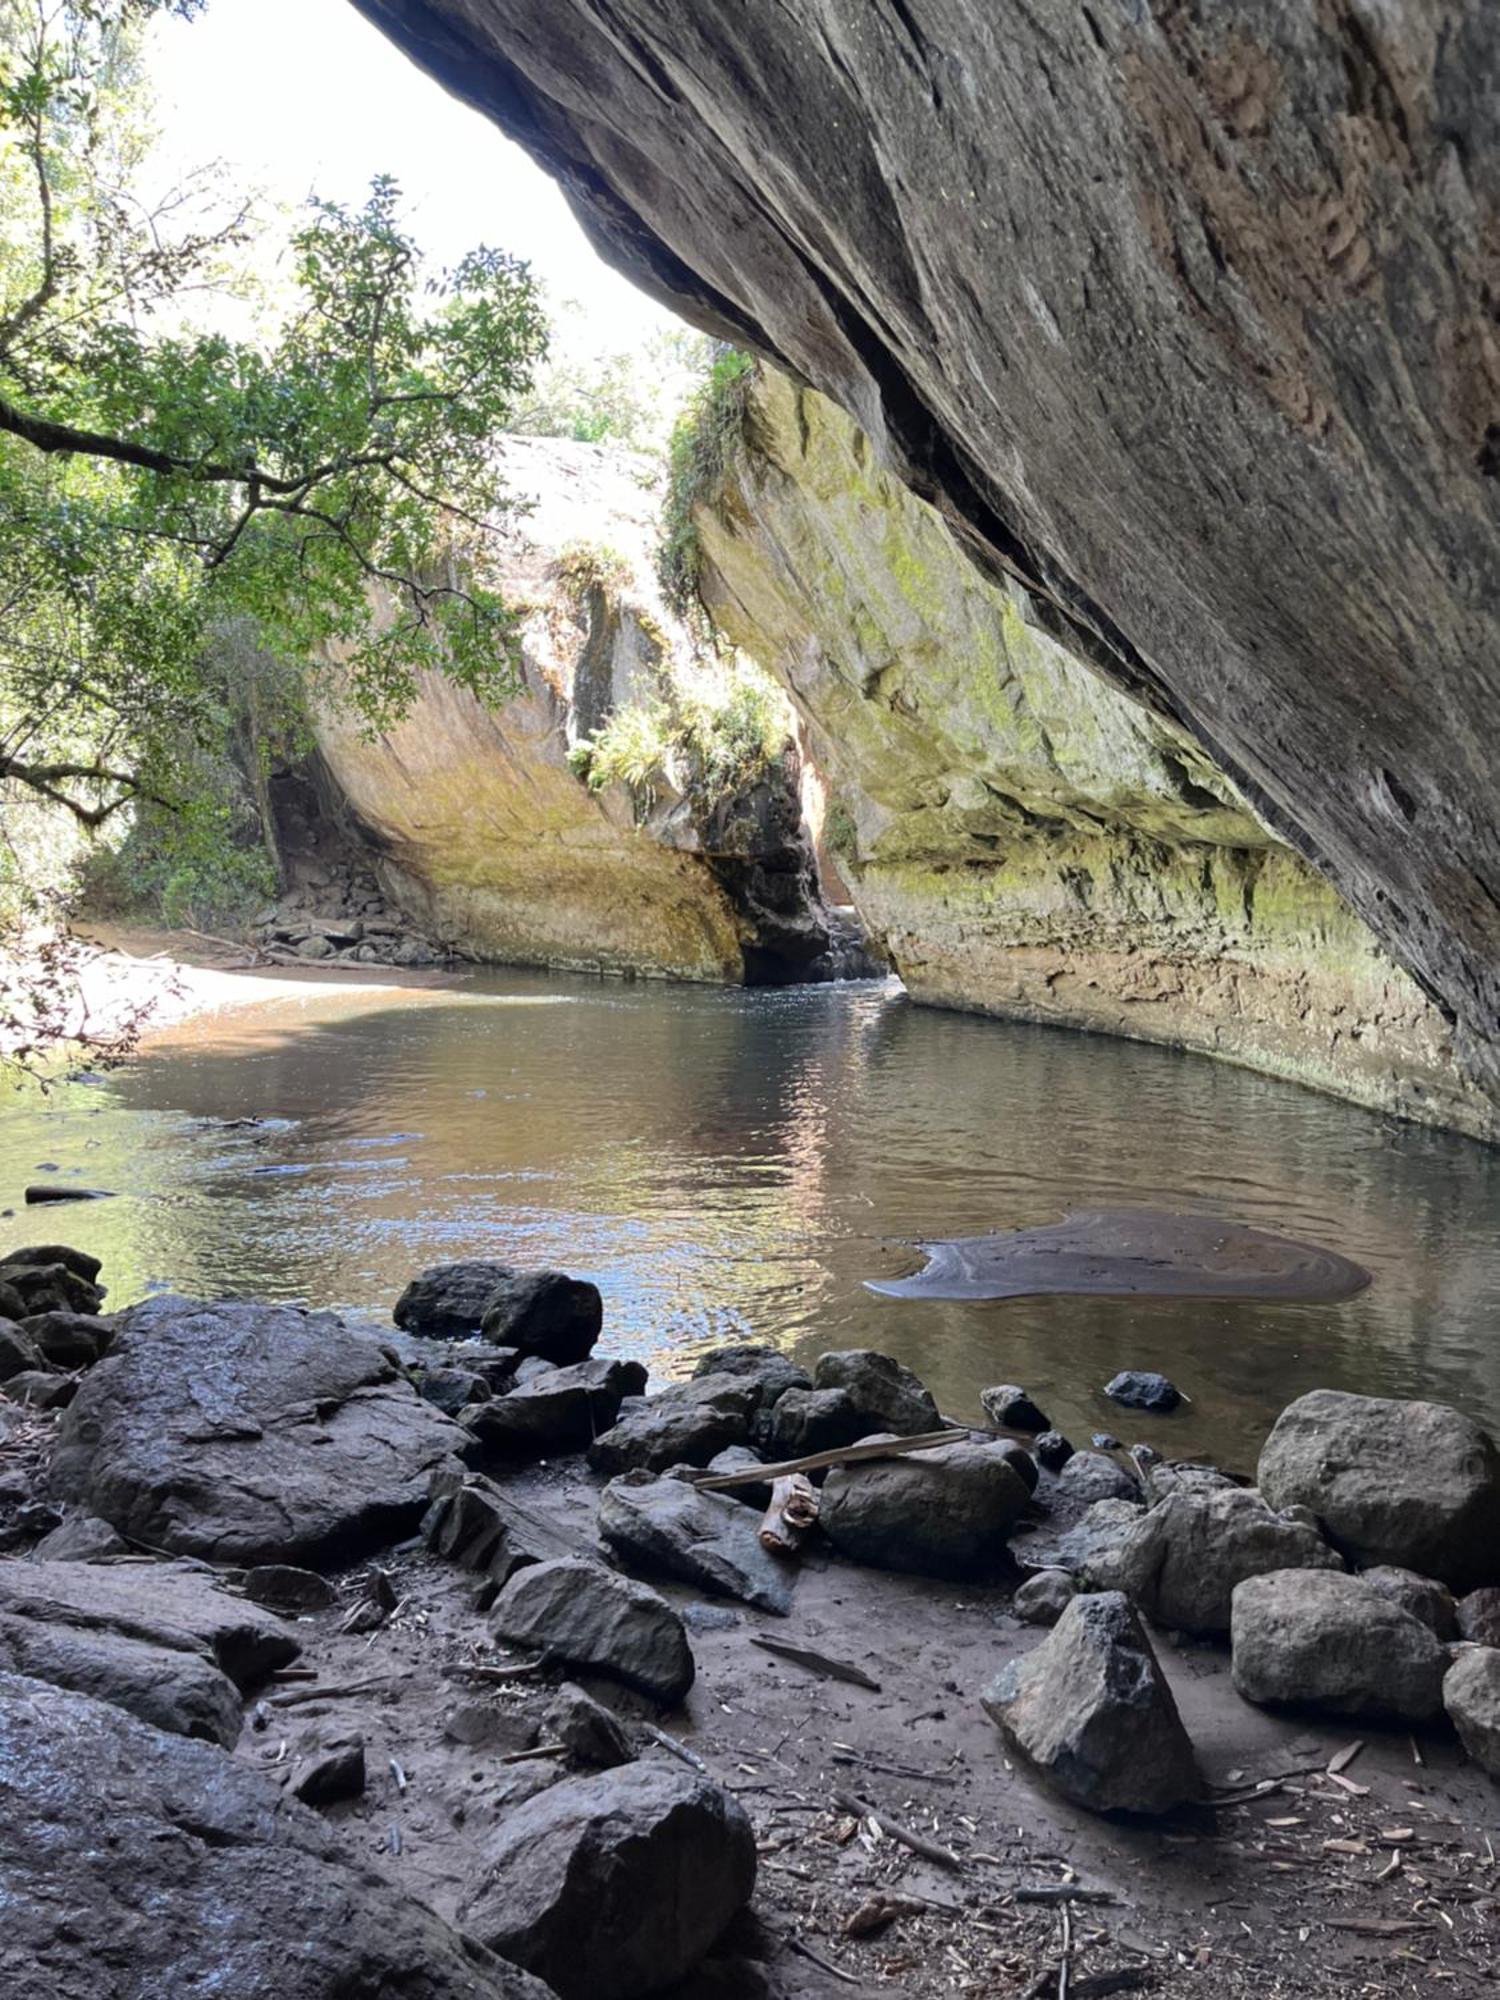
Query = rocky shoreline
x=441 y=1659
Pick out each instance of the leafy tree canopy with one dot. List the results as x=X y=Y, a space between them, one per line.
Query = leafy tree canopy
x=160 y=484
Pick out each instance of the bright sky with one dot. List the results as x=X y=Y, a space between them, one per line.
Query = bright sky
x=303 y=96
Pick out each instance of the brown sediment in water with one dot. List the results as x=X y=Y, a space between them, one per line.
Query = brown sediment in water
x=1131 y=1252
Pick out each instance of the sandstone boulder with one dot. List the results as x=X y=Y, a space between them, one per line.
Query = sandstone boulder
x=19 y=1354
x=249 y=1434
x=1471 y=1695
x=69 y=1339
x=665 y=1527
x=609 y=1887
x=807 y=1420
x=1414 y=1485
x=1315 y=1639
x=1091 y=1711
x=545 y=1313
x=587 y=1618
x=1179 y=1562
x=211 y=1880
x=80 y=1538
x=943 y=1512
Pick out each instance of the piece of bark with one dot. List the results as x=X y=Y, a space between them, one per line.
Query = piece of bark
x=793 y=1510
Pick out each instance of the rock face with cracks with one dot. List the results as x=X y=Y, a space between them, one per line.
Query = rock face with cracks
x=210 y=1879
x=1179 y=316
x=247 y=1434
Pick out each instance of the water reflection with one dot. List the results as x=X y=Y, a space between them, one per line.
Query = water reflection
x=731 y=1165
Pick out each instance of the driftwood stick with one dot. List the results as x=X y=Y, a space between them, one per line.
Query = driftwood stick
x=917 y=1842
x=816 y=1663
x=793 y=1510
x=819 y=1461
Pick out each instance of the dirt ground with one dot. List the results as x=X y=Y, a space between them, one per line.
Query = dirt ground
x=1380 y=1879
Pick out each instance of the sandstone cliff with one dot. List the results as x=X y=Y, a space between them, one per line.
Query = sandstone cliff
x=1184 y=314
x=1024 y=839
x=484 y=826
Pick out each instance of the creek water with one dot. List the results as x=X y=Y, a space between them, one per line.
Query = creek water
x=733 y=1166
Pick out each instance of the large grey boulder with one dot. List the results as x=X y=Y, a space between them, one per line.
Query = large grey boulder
x=666 y=1527
x=688 y=1424
x=807 y=1420
x=448 y=1301
x=1093 y=1475
x=142 y=1866
x=1315 y=1639
x=772 y=1371
x=249 y=1434
x=558 y=1409
x=1179 y=1562
x=1471 y=1695
x=159 y=1641
x=1415 y=1485
x=585 y=1617
x=942 y=1512
x=610 y=1887
x=545 y=1313
x=69 y=1339
x=885 y=1394
x=1091 y=1711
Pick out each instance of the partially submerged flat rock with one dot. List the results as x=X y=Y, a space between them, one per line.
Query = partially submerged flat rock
x=249 y=1434
x=946 y=1511
x=1319 y=1640
x=211 y=1880
x=1179 y=1562
x=1412 y=1484
x=1091 y=1711
x=666 y=1527
x=1136 y=1252
x=585 y=1617
x=610 y=1887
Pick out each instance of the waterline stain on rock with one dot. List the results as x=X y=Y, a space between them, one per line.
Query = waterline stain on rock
x=1131 y=1252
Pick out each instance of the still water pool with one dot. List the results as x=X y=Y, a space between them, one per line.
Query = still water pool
x=733 y=1165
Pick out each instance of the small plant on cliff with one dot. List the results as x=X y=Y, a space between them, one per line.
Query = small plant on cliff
x=710 y=426
x=585 y=566
x=716 y=729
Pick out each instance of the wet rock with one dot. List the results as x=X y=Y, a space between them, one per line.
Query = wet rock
x=68 y=1339
x=1091 y=1711
x=41 y=1192
x=1180 y=1561
x=249 y=1434
x=42 y=1389
x=561 y=1409
x=1090 y=1475
x=1479 y=1617
x=743 y=1458
x=685 y=1425
x=328 y=1771
x=18 y=1353
x=1139 y=1389
x=284 y=1587
x=768 y=1366
x=1012 y=1409
x=1423 y=1596
x=1408 y=1484
x=612 y=1886
x=808 y=1420
x=1053 y=1450
x=886 y=1396
x=587 y=1618
x=47 y=1280
x=1316 y=1639
x=452 y=1389
x=665 y=1527
x=545 y=1313
x=211 y=1880
x=942 y=1512
x=45 y=1255
x=1471 y=1695
x=80 y=1538
x=587 y=1730
x=1042 y=1599
x=447 y=1301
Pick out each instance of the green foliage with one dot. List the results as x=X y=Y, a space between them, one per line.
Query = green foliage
x=714 y=730
x=625 y=398
x=585 y=566
x=158 y=485
x=708 y=429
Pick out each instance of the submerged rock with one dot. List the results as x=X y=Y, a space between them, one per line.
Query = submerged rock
x=610 y=1887
x=587 y=1618
x=249 y=1434
x=666 y=1527
x=1179 y=1562
x=1315 y=1639
x=1139 y=1389
x=1471 y=1695
x=211 y=1880
x=1091 y=1711
x=1410 y=1484
x=946 y=1511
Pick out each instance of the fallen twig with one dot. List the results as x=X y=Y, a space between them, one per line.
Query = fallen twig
x=294 y=1697
x=816 y=1663
x=1064 y=1892
x=820 y=1461
x=850 y=1802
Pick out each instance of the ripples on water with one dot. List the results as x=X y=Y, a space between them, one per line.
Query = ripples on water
x=733 y=1165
